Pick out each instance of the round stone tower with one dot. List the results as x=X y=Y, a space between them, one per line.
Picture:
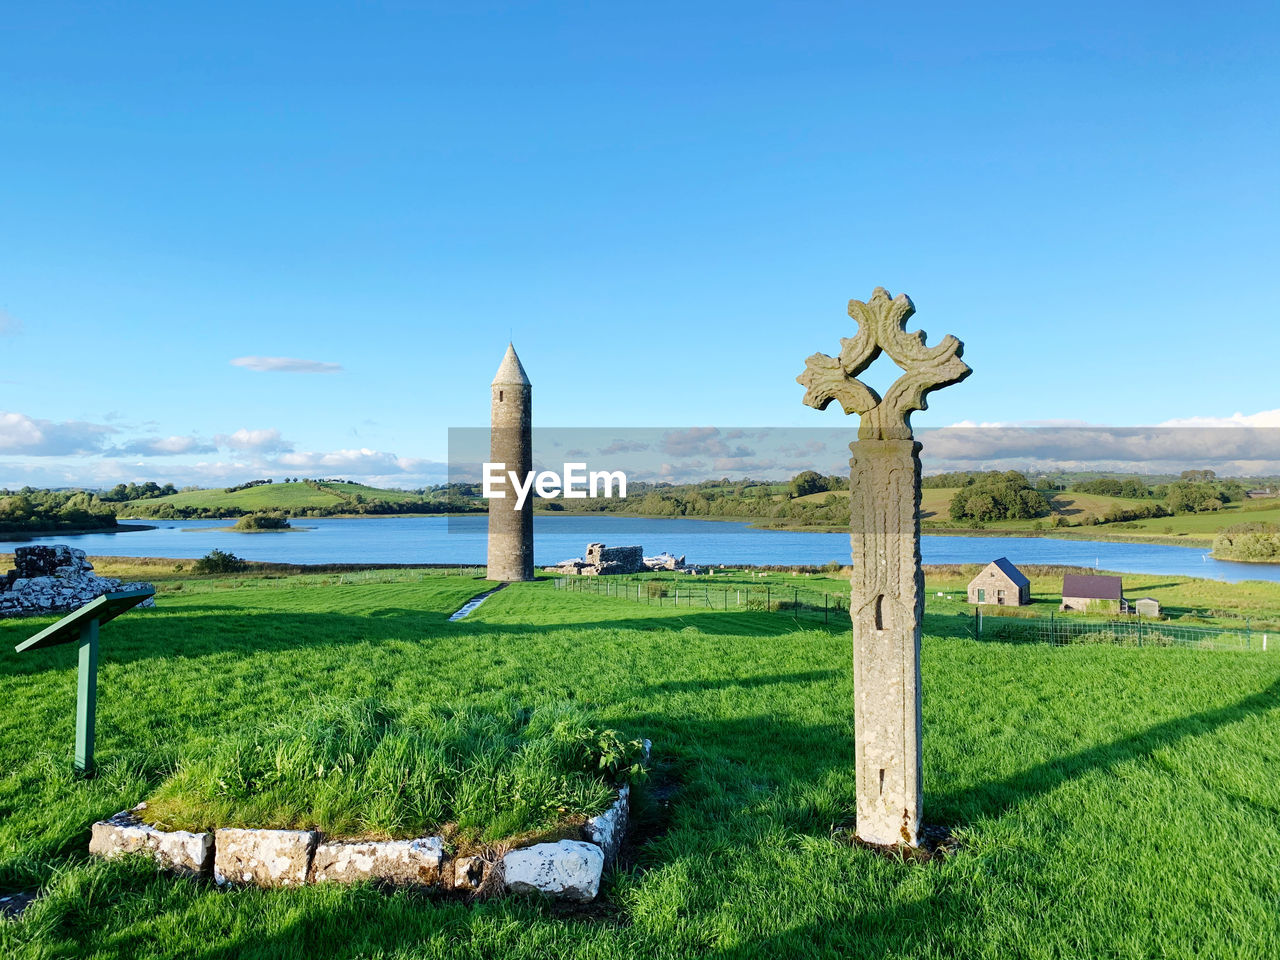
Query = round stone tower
x=511 y=443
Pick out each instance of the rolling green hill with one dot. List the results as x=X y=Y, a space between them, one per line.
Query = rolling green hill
x=313 y=498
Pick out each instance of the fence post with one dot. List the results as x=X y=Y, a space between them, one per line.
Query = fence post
x=826 y=620
x=766 y=600
x=1248 y=633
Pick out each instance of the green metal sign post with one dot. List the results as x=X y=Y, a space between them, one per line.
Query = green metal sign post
x=82 y=626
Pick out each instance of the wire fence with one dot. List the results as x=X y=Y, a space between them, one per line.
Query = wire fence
x=1129 y=632
x=813 y=605
x=798 y=603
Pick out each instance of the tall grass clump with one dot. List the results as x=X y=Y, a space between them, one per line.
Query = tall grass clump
x=373 y=768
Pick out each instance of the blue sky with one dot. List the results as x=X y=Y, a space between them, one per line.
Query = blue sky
x=667 y=207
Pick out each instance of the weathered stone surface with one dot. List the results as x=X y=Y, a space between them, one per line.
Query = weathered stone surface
x=570 y=869
x=474 y=874
x=887 y=604
x=178 y=850
x=510 y=556
x=268 y=858
x=55 y=579
x=624 y=559
x=604 y=561
x=886 y=585
x=608 y=829
x=407 y=862
x=665 y=561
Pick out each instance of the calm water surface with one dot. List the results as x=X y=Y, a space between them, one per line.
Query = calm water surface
x=462 y=540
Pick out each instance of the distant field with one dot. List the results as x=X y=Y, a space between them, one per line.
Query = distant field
x=275 y=496
x=1079 y=507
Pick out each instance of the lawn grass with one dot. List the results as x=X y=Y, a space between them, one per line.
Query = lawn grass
x=1104 y=801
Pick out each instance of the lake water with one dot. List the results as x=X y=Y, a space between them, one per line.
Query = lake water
x=462 y=540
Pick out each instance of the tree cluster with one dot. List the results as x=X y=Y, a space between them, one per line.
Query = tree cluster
x=1258 y=542
x=1130 y=487
x=810 y=482
x=38 y=511
x=998 y=496
x=125 y=492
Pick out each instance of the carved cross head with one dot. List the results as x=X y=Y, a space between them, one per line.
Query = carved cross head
x=882 y=328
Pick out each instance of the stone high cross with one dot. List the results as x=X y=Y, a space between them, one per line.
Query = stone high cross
x=887 y=586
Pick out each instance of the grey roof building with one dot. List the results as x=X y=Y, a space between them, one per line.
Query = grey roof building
x=1081 y=591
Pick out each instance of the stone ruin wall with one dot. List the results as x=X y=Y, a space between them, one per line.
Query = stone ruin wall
x=55 y=579
x=606 y=561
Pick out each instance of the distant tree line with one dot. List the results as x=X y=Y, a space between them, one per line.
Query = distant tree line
x=247 y=486
x=125 y=492
x=48 y=511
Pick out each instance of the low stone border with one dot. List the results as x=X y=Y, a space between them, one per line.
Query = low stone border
x=567 y=869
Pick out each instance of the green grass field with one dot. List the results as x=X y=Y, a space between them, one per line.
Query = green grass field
x=1104 y=801
x=274 y=496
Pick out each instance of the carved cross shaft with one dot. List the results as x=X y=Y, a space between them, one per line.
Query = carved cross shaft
x=887 y=585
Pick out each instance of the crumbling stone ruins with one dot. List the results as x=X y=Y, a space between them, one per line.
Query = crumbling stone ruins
x=612 y=560
x=55 y=579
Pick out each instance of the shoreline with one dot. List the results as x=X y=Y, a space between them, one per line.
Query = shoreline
x=1190 y=541
x=22 y=537
x=1059 y=533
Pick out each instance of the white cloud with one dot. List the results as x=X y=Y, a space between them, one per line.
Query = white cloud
x=1264 y=418
x=362 y=461
x=10 y=326
x=257 y=441
x=164 y=447
x=20 y=434
x=285 y=365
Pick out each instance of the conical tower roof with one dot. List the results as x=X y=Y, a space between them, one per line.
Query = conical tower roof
x=511 y=372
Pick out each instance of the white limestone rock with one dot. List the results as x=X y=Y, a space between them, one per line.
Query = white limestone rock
x=178 y=850
x=407 y=862
x=607 y=830
x=268 y=858
x=55 y=579
x=569 y=869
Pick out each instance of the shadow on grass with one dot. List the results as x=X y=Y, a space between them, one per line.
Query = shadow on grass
x=720 y=683
x=999 y=796
x=208 y=628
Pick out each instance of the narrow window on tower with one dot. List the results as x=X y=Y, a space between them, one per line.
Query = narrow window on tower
x=499 y=396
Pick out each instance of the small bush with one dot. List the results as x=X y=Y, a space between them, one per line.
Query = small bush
x=263 y=521
x=219 y=561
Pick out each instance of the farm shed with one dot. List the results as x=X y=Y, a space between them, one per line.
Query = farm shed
x=1002 y=583
x=1093 y=593
x=1147 y=607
